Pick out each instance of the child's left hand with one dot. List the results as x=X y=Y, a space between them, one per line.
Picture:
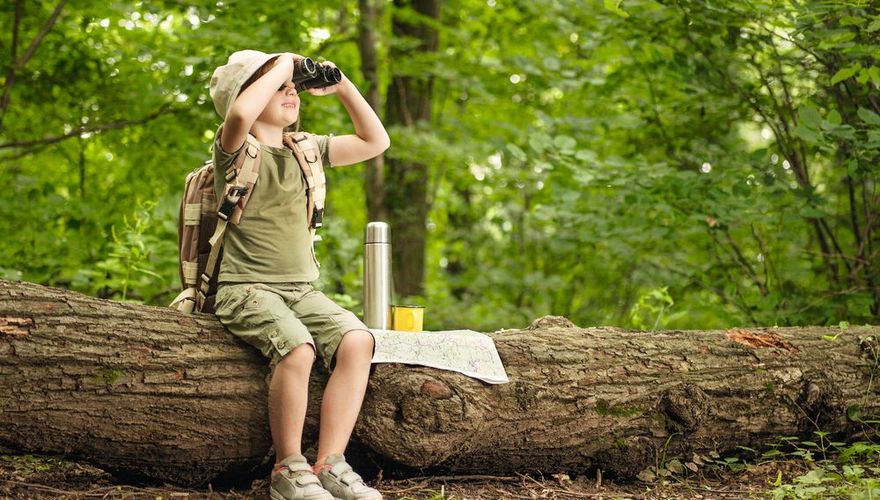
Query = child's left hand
x=330 y=89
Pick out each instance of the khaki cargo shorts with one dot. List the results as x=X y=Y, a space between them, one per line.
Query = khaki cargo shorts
x=277 y=317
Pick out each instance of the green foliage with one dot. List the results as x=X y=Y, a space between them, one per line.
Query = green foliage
x=837 y=469
x=591 y=161
x=855 y=473
x=651 y=308
x=25 y=465
x=128 y=265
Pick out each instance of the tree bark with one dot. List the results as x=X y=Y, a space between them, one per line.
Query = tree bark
x=153 y=392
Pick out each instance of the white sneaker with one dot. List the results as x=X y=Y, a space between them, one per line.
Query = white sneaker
x=296 y=481
x=338 y=478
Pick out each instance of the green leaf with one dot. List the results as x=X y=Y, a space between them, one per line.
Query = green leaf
x=869 y=116
x=809 y=116
x=647 y=475
x=539 y=142
x=845 y=73
x=852 y=21
x=564 y=142
x=614 y=6
x=833 y=117
x=812 y=477
x=874 y=73
x=757 y=155
x=584 y=177
x=852 y=168
x=675 y=466
x=585 y=155
x=516 y=152
x=806 y=133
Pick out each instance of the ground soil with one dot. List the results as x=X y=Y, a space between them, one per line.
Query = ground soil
x=42 y=477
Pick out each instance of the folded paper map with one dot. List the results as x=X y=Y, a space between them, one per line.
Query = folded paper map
x=465 y=351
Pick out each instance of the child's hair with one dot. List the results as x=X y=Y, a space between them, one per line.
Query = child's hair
x=262 y=70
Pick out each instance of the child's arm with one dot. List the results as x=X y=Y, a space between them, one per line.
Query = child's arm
x=370 y=140
x=248 y=106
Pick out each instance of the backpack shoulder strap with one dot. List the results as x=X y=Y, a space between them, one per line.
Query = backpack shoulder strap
x=308 y=155
x=240 y=179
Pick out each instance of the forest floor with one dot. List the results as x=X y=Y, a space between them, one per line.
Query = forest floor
x=28 y=476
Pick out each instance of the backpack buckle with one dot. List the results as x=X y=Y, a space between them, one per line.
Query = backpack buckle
x=317 y=217
x=231 y=200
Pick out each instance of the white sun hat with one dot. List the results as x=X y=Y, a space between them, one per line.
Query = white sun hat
x=227 y=80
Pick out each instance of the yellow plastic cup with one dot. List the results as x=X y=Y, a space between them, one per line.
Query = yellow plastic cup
x=407 y=318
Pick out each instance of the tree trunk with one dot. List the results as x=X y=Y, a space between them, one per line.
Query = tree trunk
x=374 y=175
x=150 y=391
x=408 y=102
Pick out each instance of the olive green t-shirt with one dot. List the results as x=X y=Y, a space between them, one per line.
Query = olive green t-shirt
x=272 y=243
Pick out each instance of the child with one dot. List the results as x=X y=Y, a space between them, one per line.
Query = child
x=264 y=290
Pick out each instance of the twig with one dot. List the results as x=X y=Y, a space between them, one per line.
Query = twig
x=472 y=477
x=102 y=492
x=83 y=130
x=544 y=487
x=505 y=494
x=421 y=486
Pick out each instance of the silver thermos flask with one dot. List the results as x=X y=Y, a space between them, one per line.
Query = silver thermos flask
x=377 y=276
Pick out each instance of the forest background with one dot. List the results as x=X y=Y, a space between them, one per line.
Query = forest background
x=643 y=164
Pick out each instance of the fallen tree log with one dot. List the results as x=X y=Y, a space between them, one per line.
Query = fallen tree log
x=152 y=392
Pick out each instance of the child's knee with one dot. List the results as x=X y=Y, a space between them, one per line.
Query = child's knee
x=356 y=344
x=301 y=356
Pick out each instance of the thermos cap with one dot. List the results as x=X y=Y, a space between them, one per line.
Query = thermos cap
x=377 y=232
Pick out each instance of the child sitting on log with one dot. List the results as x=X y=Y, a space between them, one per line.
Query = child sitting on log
x=264 y=293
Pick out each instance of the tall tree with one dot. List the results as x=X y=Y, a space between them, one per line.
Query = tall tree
x=408 y=103
x=374 y=175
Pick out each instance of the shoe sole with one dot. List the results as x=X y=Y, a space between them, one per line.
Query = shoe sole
x=274 y=495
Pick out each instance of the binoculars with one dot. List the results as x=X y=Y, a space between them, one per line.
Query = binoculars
x=307 y=74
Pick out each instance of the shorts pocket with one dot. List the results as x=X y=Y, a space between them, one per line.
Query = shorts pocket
x=252 y=299
x=230 y=299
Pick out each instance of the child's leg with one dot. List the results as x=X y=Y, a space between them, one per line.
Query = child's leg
x=258 y=314
x=288 y=398
x=344 y=393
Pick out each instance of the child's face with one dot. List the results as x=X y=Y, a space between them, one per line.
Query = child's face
x=283 y=108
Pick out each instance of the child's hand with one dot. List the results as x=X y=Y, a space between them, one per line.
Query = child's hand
x=330 y=89
x=293 y=57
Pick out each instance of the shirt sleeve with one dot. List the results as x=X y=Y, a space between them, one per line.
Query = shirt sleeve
x=324 y=146
x=222 y=161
